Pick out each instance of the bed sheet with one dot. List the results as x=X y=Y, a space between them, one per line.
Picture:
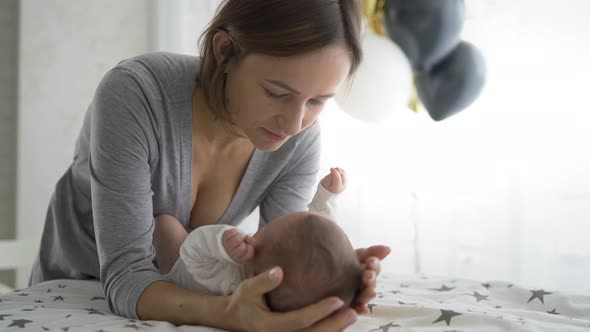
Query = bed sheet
x=403 y=303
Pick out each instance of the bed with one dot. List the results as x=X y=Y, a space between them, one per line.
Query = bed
x=403 y=303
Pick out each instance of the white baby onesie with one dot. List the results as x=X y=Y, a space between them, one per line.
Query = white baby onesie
x=204 y=265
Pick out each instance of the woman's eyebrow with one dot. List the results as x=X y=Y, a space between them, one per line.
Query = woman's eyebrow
x=287 y=87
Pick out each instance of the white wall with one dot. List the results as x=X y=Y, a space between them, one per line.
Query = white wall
x=8 y=115
x=65 y=48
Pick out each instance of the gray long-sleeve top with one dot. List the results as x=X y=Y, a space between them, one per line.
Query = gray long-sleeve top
x=132 y=162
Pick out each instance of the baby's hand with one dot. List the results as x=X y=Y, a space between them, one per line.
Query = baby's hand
x=239 y=246
x=335 y=182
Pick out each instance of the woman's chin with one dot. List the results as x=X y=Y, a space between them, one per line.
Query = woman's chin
x=267 y=145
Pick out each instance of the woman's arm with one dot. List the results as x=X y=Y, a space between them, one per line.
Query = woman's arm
x=169 y=234
x=244 y=310
x=166 y=302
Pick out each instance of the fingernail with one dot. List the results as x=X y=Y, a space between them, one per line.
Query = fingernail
x=336 y=305
x=351 y=318
x=273 y=273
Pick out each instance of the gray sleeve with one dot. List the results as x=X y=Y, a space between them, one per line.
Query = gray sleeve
x=122 y=137
x=294 y=188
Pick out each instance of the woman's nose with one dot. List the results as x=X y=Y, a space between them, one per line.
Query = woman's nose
x=292 y=120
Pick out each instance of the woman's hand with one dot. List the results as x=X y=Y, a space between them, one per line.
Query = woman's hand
x=247 y=310
x=370 y=259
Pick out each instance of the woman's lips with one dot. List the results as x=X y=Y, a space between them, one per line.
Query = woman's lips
x=273 y=136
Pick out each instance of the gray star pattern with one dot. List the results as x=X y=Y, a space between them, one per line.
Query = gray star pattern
x=479 y=297
x=446 y=315
x=386 y=327
x=538 y=294
x=93 y=311
x=20 y=323
x=443 y=288
x=133 y=326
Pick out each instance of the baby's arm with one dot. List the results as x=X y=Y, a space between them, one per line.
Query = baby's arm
x=204 y=264
x=330 y=186
x=168 y=237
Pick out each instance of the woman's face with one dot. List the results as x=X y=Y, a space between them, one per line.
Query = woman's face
x=271 y=99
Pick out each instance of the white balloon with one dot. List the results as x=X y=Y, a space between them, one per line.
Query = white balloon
x=382 y=84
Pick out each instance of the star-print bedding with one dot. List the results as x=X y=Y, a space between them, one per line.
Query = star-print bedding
x=403 y=303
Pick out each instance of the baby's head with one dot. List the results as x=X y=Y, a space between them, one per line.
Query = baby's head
x=316 y=256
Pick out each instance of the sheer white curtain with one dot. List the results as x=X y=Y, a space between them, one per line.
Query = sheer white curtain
x=500 y=191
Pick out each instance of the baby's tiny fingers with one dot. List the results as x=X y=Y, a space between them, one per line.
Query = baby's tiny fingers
x=249 y=240
x=249 y=254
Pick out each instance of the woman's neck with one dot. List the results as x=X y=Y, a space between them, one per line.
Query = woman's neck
x=207 y=129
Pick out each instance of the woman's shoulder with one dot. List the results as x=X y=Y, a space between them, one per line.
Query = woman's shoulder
x=169 y=75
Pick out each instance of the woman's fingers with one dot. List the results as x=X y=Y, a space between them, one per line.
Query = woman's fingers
x=361 y=309
x=374 y=251
x=369 y=284
x=341 y=320
x=370 y=259
x=264 y=282
x=308 y=316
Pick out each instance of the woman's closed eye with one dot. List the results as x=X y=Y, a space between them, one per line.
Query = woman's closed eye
x=274 y=95
x=316 y=102
x=269 y=93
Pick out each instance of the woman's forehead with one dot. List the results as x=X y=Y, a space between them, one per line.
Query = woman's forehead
x=320 y=70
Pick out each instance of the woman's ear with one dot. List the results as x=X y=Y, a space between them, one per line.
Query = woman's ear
x=222 y=44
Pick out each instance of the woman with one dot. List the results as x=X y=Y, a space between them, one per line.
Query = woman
x=243 y=134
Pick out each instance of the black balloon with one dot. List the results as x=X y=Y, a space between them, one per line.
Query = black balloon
x=426 y=30
x=454 y=83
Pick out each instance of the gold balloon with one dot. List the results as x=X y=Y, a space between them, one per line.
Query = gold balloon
x=374 y=11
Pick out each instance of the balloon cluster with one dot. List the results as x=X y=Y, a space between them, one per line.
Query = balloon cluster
x=448 y=73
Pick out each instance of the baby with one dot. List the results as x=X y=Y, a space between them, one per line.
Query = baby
x=315 y=254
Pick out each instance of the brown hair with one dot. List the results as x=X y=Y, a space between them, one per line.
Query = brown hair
x=318 y=261
x=275 y=28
